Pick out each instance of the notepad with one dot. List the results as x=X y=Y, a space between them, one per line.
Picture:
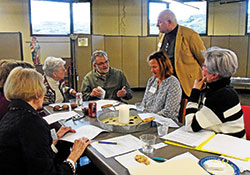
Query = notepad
x=208 y=141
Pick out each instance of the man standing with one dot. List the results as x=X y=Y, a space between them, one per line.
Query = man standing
x=104 y=81
x=184 y=48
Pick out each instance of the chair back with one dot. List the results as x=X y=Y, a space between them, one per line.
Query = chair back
x=246 y=116
x=182 y=111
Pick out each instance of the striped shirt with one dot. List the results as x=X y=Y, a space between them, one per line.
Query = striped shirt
x=219 y=110
x=164 y=99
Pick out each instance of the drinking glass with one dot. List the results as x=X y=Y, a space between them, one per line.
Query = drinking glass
x=147 y=141
x=162 y=128
x=139 y=107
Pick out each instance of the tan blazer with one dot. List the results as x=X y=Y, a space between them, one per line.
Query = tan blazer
x=188 y=56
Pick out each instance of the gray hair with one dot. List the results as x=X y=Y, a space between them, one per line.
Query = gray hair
x=221 y=61
x=98 y=53
x=168 y=15
x=52 y=64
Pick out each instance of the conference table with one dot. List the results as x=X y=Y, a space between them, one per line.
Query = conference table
x=110 y=166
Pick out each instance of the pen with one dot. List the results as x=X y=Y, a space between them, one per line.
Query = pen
x=159 y=159
x=69 y=119
x=106 y=142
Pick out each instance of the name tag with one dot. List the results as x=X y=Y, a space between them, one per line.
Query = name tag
x=152 y=90
x=159 y=44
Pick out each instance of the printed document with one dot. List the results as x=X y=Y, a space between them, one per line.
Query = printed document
x=127 y=143
x=229 y=145
x=193 y=139
x=88 y=131
x=59 y=116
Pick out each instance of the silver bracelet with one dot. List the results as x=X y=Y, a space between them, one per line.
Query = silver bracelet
x=71 y=166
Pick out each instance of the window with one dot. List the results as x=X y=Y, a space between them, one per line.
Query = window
x=81 y=17
x=190 y=14
x=154 y=9
x=54 y=18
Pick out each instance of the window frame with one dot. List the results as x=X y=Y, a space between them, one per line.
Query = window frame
x=161 y=1
x=148 y=20
x=246 y=24
x=71 y=21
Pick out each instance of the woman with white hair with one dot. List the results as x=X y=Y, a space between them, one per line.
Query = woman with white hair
x=54 y=72
x=214 y=104
x=26 y=144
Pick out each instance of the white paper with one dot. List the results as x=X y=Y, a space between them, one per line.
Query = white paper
x=159 y=118
x=243 y=165
x=128 y=160
x=188 y=138
x=183 y=156
x=60 y=104
x=229 y=145
x=103 y=92
x=88 y=131
x=78 y=109
x=100 y=103
x=159 y=145
x=127 y=143
x=182 y=166
x=59 y=116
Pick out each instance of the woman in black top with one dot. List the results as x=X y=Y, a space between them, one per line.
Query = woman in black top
x=214 y=104
x=26 y=146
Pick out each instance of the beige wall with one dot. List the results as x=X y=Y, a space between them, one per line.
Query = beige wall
x=227 y=19
x=115 y=17
x=120 y=28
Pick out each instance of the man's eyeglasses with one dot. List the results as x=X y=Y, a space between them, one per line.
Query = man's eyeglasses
x=102 y=63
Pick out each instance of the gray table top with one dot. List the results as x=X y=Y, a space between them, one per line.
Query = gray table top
x=110 y=166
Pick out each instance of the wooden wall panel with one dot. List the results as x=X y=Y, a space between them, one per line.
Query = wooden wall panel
x=54 y=46
x=130 y=60
x=227 y=19
x=147 y=45
x=105 y=17
x=97 y=42
x=220 y=41
x=206 y=41
x=240 y=46
x=83 y=56
x=11 y=45
x=144 y=17
x=113 y=47
x=130 y=14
